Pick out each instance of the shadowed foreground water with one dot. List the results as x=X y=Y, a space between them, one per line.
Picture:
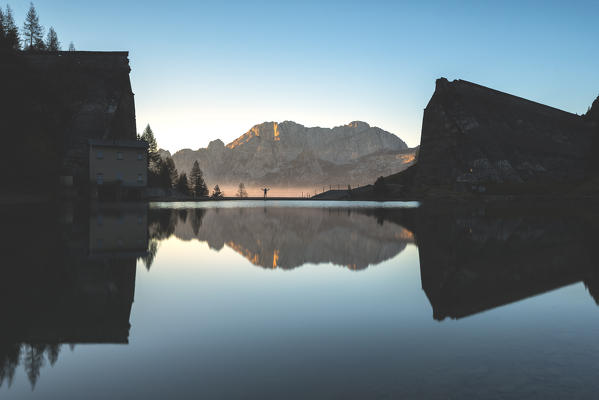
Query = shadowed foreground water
x=298 y=300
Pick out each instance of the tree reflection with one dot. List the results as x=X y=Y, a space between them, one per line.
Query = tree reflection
x=183 y=215
x=10 y=355
x=52 y=352
x=161 y=223
x=197 y=215
x=33 y=360
x=148 y=259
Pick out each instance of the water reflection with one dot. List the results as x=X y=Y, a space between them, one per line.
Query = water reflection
x=69 y=278
x=472 y=260
x=287 y=238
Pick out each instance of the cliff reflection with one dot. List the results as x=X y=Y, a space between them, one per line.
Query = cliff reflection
x=287 y=237
x=73 y=283
x=473 y=260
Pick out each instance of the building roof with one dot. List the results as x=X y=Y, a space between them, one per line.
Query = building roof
x=138 y=144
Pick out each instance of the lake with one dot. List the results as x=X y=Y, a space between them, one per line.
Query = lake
x=298 y=299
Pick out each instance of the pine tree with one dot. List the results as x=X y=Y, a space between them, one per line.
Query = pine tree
x=380 y=186
x=2 y=31
x=241 y=192
x=39 y=45
x=153 y=155
x=71 y=46
x=52 y=43
x=217 y=194
x=163 y=176
x=32 y=30
x=13 y=41
x=197 y=184
x=182 y=185
x=168 y=173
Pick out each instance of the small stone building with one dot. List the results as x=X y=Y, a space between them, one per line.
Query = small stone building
x=118 y=163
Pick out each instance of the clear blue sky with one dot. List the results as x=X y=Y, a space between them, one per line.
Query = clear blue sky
x=207 y=70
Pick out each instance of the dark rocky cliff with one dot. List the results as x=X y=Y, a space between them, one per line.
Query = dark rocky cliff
x=52 y=103
x=479 y=139
x=593 y=113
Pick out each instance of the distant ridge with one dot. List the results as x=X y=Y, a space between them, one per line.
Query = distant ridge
x=289 y=154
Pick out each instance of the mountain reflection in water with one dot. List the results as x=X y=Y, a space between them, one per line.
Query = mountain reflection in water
x=69 y=277
x=287 y=237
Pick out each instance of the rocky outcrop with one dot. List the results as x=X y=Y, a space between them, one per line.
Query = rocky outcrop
x=290 y=154
x=479 y=139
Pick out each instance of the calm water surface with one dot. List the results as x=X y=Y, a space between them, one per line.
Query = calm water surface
x=299 y=300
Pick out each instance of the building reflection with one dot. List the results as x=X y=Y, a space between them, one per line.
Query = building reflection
x=74 y=284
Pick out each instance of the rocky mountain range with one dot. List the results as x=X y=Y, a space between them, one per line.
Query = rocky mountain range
x=288 y=154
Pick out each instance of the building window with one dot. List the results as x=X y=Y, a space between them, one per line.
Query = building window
x=140 y=178
x=99 y=178
x=119 y=176
x=119 y=155
x=140 y=156
x=99 y=154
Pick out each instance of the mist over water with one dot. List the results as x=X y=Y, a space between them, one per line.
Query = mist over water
x=283 y=191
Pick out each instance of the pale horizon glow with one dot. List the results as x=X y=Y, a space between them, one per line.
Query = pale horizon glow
x=211 y=70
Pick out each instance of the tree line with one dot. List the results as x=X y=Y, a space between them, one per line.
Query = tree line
x=162 y=172
x=30 y=37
